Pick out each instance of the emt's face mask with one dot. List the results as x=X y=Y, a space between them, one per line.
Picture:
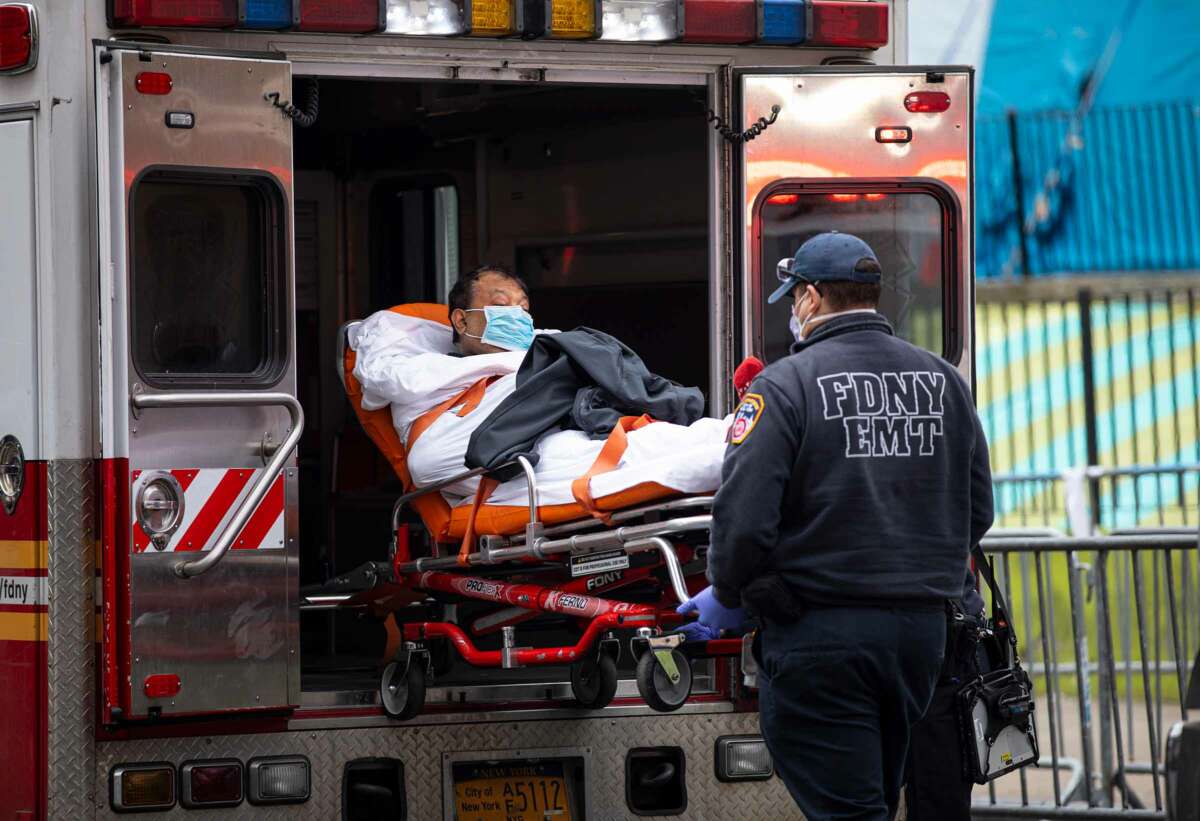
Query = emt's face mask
x=798 y=323
x=508 y=326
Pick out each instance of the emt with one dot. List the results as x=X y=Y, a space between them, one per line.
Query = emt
x=855 y=480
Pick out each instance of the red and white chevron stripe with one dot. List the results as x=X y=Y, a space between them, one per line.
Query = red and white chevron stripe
x=211 y=497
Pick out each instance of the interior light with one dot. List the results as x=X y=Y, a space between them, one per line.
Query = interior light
x=137 y=787
x=783 y=199
x=574 y=19
x=278 y=780
x=168 y=13
x=633 y=21
x=338 y=16
x=742 y=758
x=847 y=23
x=781 y=22
x=925 y=102
x=893 y=134
x=719 y=21
x=18 y=38
x=216 y=783
x=156 y=495
x=264 y=14
x=493 y=18
x=422 y=17
x=844 y=197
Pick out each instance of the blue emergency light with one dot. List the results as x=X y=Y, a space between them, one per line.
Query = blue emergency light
x=781 y=22
x=264 y=14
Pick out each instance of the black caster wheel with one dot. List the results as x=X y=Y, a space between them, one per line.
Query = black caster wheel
x=656 y=688
x=403 y=694
x=594 y=681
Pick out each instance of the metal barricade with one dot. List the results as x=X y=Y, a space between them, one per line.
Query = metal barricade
x=1108 y=633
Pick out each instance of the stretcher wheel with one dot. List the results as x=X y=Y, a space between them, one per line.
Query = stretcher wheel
x=403 y=693
x=656 y=687
x=594 y=681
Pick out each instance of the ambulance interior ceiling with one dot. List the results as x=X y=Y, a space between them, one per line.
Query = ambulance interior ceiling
x=596 y=196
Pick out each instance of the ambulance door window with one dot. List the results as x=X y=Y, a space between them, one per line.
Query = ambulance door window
x=208 y=289
x=905 y=227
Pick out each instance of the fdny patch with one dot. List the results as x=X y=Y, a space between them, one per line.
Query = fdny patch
x=746 y=418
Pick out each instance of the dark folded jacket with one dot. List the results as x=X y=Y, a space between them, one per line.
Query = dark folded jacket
x=584 y=380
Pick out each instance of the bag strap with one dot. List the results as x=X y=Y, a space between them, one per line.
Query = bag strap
x=1001 y=615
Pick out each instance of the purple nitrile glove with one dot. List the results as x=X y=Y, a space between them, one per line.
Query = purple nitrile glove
x=711 y=612
x=695 y=631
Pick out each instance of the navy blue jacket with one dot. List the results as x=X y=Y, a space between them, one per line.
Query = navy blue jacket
x=857 y=471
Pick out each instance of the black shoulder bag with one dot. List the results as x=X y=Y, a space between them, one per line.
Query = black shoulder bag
x=995 y=710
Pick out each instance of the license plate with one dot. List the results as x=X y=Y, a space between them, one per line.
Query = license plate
x=536 y=791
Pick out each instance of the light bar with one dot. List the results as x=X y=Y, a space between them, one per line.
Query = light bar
x=425 y=17
x=847 y=24
x=574 y=19
x=338 y=16
x=18 y=38
x=640 y=21
x=141 y=787
x=264 y=14
x=494 y=18
x=280 y=779
x=781 y=22
x=742 y=758
x=719 y=21
x=171 y=13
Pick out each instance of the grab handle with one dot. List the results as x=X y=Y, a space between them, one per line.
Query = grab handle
x=143 y=401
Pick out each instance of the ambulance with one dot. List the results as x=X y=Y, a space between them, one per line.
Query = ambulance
x=197 y=194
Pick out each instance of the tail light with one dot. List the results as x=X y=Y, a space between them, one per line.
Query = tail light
x=170 y=13
x=847 y=24
x=574 y=19
x=18 y=38
x=141 y=787
x=640 y=21
x=339 y=16
x=210 y=783
x=719 y=21
x=278 y=780
x=781 y=22
x=925 y=102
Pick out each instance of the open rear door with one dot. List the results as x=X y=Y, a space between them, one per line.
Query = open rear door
x=880 y=152
x=199 y=416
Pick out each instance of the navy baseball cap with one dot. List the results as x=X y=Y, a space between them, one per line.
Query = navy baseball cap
x=828 y=257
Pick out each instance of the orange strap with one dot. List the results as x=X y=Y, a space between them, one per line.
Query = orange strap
x=486 y=486
x=609 y=458
x=469 y=399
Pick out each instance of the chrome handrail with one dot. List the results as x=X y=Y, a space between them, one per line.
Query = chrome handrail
x=143 y=401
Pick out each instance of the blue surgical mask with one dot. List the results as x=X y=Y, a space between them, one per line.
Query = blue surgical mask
x=508 y=326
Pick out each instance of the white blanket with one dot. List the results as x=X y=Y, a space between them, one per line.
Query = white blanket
x=407 y=363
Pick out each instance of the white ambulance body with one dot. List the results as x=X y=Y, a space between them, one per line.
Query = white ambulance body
x=184 y=226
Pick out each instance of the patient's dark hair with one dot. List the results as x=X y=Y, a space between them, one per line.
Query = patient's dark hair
x=461 y=293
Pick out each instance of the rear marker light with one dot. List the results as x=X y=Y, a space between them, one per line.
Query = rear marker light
x=640 y=21
x=278 y=780
x=847 y=24
x=424 y=17
x=742 y=758
x=264 y=14
x=574 y=19
x=893 y=134
x=781 y=22
x=215 y=783
x=339 y=16
x=18 y=38
x=136 y=787
x=927 y=102
x=173 y=13
x=153 y=82
x=161 y=686
x=719 y=21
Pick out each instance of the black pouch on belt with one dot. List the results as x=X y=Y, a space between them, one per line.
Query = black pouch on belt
x=770 y=597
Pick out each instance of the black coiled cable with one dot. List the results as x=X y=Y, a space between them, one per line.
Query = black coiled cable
x=749 y=134
x=304 y=114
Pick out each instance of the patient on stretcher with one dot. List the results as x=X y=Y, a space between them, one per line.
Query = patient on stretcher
x=447 y=379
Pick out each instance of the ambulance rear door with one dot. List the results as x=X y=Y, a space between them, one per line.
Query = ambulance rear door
x=884 y=153
x=199 y=418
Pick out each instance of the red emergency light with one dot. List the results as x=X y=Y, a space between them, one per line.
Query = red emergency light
x=719 y=21
x=339 y=16
x=172 y=13
x=925 y=102
x=18 y=38
x=847 y=24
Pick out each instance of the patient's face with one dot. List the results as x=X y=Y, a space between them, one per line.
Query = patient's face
x=490 y=289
